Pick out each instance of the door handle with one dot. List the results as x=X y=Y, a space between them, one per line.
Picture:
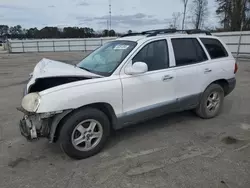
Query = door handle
x=167 y=77
x=207 y=70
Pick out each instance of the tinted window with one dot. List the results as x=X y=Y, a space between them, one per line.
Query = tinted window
x=154 y=54
x=214 y=48
x=188 y=51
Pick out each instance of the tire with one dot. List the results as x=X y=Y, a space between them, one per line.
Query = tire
x=207 y=107
x=77 y=127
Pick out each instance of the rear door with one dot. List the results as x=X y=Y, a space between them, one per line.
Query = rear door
x=188 y=55
x=221 y=64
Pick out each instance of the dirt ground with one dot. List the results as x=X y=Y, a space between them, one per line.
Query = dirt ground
x=177 y=150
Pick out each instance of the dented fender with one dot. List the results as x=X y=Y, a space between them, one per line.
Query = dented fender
x=54 y=124
x=78 y=94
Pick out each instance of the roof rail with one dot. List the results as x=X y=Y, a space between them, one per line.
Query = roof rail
x=197 y=31
x=152 y=33
x=132 y=34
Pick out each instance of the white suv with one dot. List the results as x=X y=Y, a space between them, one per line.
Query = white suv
x=136 y=77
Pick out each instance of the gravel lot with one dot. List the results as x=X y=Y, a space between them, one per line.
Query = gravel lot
x=177 y=150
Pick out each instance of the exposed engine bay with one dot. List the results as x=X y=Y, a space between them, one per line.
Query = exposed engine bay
x=49 y=82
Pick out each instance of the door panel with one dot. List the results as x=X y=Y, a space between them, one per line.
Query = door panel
x=188 y=57
x=187 y=86
x=216 y=70
x=148 y=95
x=221 y=65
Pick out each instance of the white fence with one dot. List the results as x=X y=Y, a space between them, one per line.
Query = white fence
x=232 y=41
x=56 y=45
x=5 y=46
x=90 y=44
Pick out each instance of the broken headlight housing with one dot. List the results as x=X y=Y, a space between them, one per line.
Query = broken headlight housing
x=31 y=102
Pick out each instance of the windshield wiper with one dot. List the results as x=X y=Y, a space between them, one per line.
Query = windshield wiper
x=85 y=69
x=97 y=73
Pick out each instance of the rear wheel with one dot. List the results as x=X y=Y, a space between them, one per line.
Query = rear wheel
x=211 y=102
x=84 y=133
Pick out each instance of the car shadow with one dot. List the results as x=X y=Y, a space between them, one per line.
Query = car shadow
x=150 y=125
x=132 y=131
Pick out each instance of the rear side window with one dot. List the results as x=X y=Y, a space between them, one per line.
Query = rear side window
x=214 y=48
x=188 y=51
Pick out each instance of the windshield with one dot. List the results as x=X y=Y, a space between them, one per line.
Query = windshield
x=107 y=58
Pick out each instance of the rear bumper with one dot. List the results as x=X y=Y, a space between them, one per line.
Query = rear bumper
x=231 y=85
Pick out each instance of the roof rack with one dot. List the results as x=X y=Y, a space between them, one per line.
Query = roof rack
x=152 y=33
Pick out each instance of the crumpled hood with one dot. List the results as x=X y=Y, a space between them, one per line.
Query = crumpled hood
x=50 y=68
x=47 y=68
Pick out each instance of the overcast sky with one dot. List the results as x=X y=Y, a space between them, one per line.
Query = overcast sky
x=126 y=14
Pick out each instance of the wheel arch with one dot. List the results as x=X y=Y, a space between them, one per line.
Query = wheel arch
x=223 y=83
x=106 y=108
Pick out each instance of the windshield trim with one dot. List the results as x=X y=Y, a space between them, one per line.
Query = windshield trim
x=107 y=74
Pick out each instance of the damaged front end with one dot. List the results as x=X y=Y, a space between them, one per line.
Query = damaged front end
x=47 y=74
x=34 y=126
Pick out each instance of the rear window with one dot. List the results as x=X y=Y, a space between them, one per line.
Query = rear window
x=214 y=48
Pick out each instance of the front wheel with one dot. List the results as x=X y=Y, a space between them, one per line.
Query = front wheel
x=211 y=102
x=84 y=133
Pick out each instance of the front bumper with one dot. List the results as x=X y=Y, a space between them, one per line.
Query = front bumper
x=27 y=129
x=31 y=127
x=34 y=126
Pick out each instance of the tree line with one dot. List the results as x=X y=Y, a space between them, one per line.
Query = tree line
x=234 y=15
x=52 y=32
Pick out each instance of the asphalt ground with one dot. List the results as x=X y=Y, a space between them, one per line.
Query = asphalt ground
x=176 y=150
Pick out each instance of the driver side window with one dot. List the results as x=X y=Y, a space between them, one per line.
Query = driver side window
x=155 y=55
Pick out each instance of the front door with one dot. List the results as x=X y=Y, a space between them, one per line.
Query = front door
x=150 y=94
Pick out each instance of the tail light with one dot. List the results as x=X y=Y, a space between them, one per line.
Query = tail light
x=235 y=68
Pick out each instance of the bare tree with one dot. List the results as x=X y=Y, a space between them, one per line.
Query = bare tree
x=234 y=14
x=175 y=20
x=185 y=3
x=200 y=12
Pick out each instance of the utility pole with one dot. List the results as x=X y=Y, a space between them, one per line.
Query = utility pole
x=110 y=14
x=241 y=29
x=185 y=2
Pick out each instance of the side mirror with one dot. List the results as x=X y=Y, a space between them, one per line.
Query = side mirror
x=137 y=68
